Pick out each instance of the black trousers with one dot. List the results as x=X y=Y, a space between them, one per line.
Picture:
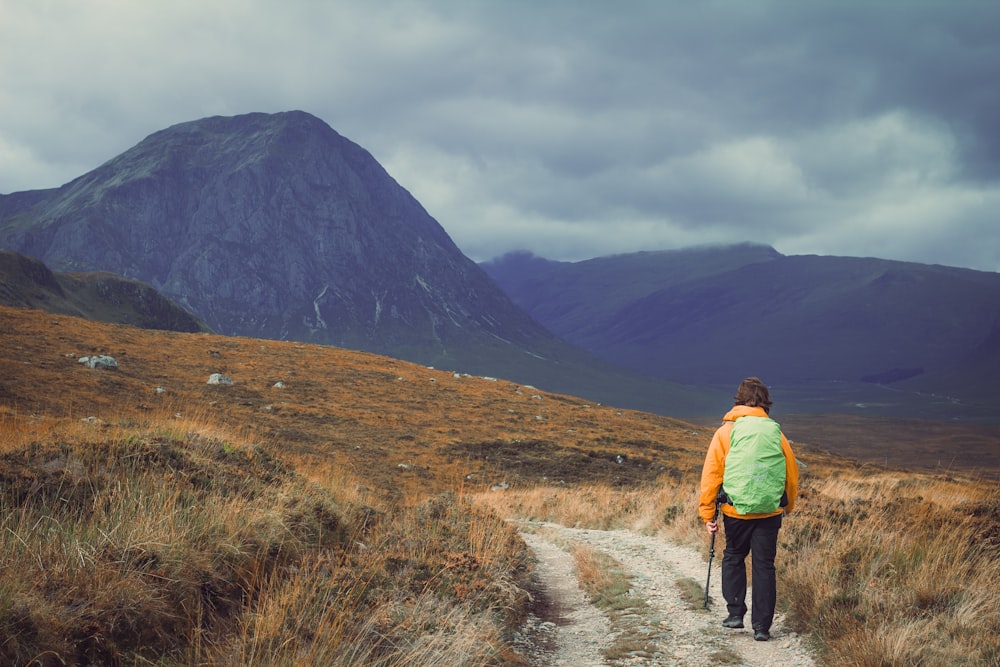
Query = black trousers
x=759 y=538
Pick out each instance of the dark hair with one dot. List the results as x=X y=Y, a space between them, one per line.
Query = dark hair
x=753 y=393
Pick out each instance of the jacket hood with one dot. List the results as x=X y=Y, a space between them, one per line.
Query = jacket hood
x=743 y=411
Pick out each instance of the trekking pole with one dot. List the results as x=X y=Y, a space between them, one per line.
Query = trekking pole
x=711 y=549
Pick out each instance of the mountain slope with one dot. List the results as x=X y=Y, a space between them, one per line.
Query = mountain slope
x=27 y=283
x=266 y=224
x=579 y=300
x=839 y=326
x=275 y=226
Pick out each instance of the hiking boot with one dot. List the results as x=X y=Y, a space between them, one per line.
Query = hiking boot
x=733 y=621
x=761 y=635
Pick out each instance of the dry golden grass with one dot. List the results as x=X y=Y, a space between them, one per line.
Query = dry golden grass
x=318 y=522
x=132 y=544
x=399 y=426
x=895 y=569
x=346 y=518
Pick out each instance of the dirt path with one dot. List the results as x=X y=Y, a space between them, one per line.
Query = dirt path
x=679 y=632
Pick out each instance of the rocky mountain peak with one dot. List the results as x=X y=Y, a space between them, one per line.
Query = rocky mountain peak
x=271 y=225
x=276 y=226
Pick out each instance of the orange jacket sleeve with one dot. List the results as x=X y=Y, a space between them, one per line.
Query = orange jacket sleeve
x=791 y=475
x=711 y=473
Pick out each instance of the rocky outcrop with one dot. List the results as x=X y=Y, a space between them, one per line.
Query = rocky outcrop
x=100 y=361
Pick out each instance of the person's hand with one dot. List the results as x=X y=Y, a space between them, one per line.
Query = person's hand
x=712 y=527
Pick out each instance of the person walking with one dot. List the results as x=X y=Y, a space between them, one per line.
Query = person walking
x=751 y=470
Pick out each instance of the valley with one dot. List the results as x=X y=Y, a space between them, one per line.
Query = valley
x=346 y=508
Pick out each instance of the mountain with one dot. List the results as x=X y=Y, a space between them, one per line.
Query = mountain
x=275 y=226
x=26 y=282
x=830 y=332
x=578 y=300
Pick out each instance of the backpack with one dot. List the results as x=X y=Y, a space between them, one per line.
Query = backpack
x=754 y=476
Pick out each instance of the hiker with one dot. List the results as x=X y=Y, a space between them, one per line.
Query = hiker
x=750 y=469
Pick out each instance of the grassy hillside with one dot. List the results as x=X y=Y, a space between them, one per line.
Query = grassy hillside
x=26 y=282
x=331 y=507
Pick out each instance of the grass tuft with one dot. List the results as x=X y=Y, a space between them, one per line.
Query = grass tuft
x=609 y=588
x=692 y=592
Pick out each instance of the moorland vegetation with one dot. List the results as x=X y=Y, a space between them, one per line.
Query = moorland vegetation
x=337 y=508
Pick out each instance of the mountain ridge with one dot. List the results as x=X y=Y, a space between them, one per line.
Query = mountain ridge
x=855 y=330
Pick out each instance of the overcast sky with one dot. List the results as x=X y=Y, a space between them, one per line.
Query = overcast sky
x=570 y=128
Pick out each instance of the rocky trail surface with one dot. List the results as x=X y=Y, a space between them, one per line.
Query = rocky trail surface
x=658 y=626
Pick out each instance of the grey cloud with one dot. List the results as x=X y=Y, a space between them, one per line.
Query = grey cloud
x=568 y=128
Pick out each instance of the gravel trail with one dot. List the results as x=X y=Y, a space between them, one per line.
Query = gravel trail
x=673 y=630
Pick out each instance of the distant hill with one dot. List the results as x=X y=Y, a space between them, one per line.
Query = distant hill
x=26 y=282
x=579 y=300
x=832 y=333
x=275 y=226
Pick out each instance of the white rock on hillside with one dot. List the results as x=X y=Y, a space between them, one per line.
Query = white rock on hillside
x=99 y=361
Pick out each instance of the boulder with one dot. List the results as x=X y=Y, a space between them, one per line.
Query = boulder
x=99 y=361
